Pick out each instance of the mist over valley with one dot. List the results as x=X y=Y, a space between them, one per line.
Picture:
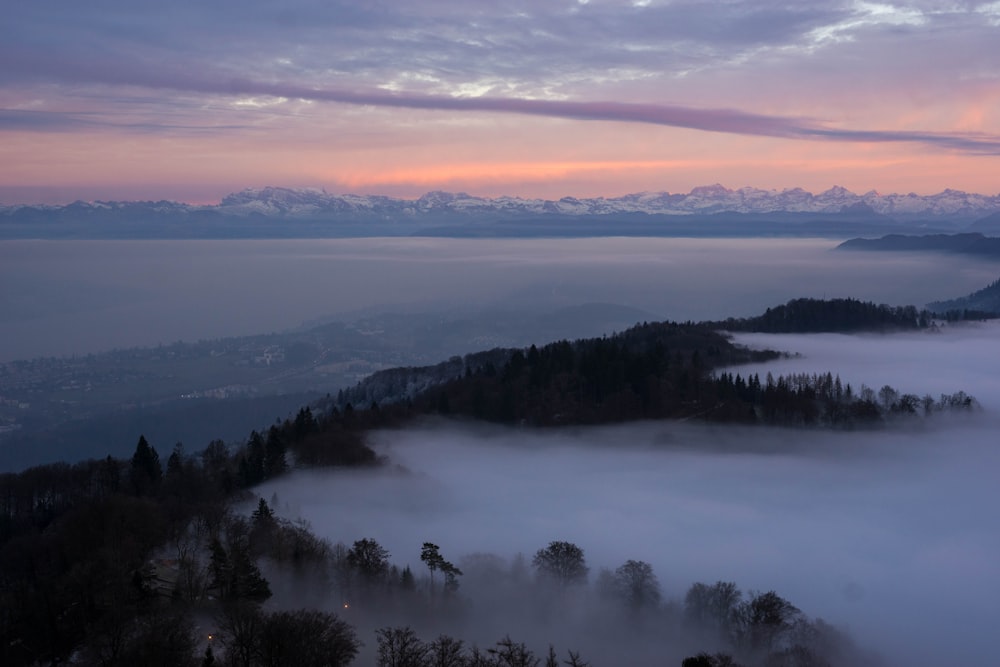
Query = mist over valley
x=117 y=294
x=887 y=533
x=882 y=531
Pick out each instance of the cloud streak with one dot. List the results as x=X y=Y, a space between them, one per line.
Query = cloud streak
x=729 y=121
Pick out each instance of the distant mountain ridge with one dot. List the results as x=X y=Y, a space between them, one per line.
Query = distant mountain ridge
x=714 y=210
x=309 y=202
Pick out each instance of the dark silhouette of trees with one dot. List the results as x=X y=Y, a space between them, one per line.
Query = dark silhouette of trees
x=829 y=315
x=400 y=647
x=636 y=585
x=431 y=556
x=235 y=575
x=145 y=471
x=706 y=660
x=713 y=608
x=369 y=560
x=306 y=638
x=763 y=621
x=562 y=563
x=446 y=651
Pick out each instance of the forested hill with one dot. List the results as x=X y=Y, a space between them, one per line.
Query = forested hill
x=966 y=244
x=829 y=315
x=984 y=302
x=651 y=371
x=681 y=340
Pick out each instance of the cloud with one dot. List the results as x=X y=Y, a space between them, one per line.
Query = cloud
x=731 y=121
x=680 y=64
x=34 y=120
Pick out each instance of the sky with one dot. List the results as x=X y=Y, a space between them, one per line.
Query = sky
x=192 y=100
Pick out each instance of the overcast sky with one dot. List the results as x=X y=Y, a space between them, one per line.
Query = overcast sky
x=191 y=100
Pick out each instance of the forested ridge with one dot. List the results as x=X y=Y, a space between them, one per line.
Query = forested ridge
x=830 y=315
x=984 y=303
x=652 y=371
x=115 y=562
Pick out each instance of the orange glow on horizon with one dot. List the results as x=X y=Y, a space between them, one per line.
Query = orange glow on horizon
x=607 y=162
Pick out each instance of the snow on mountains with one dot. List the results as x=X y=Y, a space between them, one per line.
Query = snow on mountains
x=313 y=203
x=701 y=200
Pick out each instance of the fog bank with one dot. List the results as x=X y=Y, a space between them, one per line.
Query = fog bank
x=890 y=533
x=73 y=297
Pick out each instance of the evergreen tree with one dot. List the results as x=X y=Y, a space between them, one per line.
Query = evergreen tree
x=145 y=471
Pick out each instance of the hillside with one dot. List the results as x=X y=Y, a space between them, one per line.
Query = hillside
x=651 y=371
x=829 y=315
x=981 y=303
x=965 y=244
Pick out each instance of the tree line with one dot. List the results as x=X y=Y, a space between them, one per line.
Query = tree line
x=652 y=371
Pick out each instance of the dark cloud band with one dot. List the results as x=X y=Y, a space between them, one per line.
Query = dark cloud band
x=709 y=120
x=730 y=121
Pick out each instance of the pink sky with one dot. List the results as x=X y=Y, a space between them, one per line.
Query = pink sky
x=542 y=99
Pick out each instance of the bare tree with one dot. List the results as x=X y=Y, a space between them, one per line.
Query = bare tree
x=562 y=563
x=636 y=584
x=400 y=647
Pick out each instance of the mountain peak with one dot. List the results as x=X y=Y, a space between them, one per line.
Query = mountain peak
x=708 y=190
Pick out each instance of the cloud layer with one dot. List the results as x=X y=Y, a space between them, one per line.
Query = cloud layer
x=893 y=81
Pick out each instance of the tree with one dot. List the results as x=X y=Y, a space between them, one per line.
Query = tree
x=432 y=558
x=446 y=651
x=400 y=647
x=714 y=607
x=369 y=560
x=234 y=573
x=306 y=638
x=562 y=563
x=274 y=454
x=508 y=653
x=887 y=395
x=406 y=579
x=636 y=584
x=430 y=554
x=706 y=660
x=145 y=471
x=451 y=575
x=175 y=463
x=240 y=625
x=764 y=619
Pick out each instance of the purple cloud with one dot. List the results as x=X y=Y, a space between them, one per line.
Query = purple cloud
x=729 y=121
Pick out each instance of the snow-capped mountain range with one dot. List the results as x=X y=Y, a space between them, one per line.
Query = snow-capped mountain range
x=712 y=199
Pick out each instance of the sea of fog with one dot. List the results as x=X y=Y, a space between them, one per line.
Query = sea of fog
x=72 y=297
x=891 y=534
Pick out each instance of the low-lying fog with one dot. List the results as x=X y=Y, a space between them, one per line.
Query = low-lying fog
x=72 y=297
x=891 y=534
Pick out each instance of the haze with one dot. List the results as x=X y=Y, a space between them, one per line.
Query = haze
x=73 y=297
x=889 y=533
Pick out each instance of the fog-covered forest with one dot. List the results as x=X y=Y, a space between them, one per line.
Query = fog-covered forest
x=138 y=561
